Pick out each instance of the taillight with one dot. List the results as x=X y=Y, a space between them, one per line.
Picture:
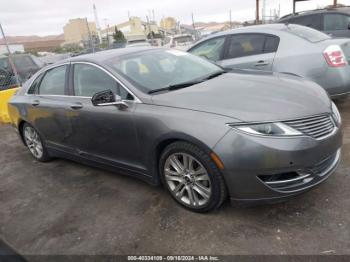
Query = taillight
x=334 y=56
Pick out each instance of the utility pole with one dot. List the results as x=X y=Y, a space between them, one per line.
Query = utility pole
x=10 y=55
x=149 y=28
x=97 y=24
x=230 y=19
x=89 y=35
x=263 y=15
x=194 y=28
x=107 y=30
x=257 y=12
x=335 y=3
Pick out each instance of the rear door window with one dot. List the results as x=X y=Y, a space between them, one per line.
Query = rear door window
x=332 y=22
x=251 y=44
x=53 y=82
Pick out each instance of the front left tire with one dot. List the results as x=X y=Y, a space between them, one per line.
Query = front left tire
x=192 y=177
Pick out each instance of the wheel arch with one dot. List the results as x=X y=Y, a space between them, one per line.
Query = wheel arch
x=20 y=125
x=168 y=139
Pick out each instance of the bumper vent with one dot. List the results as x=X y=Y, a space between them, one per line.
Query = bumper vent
x=314 y=126
x=298 y=180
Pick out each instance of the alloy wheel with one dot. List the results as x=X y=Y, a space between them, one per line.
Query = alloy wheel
x=187 y=179
x=33 y=142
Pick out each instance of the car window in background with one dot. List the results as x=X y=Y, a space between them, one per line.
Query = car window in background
x=313 y=21
x=335 y=22
x=271 y=44
x=23 y=63
x=183 y=39
x=160 y=68
x=210 y=49
x=4 y=63
x=167 y=40
x=306 y=33
x=245 y=45
x=89 y=80
x=53 y=82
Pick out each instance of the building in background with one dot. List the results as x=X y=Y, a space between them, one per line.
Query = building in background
x=133 y=29
x=14 y=48
x=79 y=31
x=168 y=23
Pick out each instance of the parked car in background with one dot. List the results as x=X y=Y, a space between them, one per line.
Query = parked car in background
x=53 y=58
x=138 y=43
x=182 y=42
x=26 y=65
x=166 y=116
x=332 y=21
x=87 y=51
x=291 y=49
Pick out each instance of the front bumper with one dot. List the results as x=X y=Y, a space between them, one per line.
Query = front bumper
x=260 y=169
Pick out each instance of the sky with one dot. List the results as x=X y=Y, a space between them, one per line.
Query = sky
x=44 y=17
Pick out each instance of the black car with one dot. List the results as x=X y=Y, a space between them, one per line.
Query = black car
x=26 y=65
x=332 y=21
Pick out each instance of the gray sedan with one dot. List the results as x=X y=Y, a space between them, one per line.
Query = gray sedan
x=172 y=118
x=292 y=49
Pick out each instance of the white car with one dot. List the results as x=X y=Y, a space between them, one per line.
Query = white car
x=181 y=42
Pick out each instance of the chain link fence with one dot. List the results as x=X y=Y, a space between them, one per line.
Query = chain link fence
x=9 y=77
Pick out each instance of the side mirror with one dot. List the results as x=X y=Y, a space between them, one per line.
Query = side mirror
x=108 y=98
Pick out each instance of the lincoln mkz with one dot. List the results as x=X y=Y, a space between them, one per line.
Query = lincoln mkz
x=172 y=118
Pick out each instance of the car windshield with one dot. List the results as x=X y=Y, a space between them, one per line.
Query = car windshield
x=306 y=33
x=154 y=69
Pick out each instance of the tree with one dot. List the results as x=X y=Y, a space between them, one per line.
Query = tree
x=118 y=36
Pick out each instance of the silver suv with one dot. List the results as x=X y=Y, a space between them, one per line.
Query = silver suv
x=332 y=21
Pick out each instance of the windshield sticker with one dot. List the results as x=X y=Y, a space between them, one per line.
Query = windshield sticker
x=177 y=52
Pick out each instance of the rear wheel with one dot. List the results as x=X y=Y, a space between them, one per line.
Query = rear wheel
x=191 y=177
x=34 y=143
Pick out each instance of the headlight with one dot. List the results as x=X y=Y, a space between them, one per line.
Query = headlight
x=336 y=114
x=267 y=129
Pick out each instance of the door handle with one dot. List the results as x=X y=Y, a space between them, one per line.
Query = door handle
x=76 y=106
x=261 y=63
x=35 y=103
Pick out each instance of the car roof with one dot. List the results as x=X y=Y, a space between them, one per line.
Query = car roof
x=107 y=54
x=345 y=10
x=264 y=29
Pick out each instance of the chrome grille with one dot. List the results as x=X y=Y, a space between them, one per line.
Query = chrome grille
x=314 y=126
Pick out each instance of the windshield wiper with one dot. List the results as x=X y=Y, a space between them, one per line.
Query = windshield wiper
x=174 y=87
x=213 y=75
x=186 y=84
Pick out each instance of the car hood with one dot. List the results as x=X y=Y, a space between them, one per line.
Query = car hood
x=251 y=96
